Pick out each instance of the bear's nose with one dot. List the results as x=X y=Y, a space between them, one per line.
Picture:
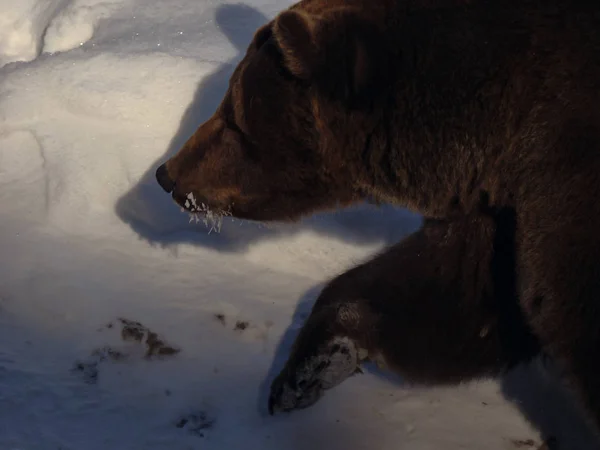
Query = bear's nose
x=163 y=178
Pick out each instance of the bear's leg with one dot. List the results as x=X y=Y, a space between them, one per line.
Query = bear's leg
x=560 y=296
x=439 y=307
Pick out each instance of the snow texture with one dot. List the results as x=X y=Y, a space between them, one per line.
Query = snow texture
x=123 y=325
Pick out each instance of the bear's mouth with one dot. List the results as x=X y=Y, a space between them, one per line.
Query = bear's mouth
x=200 y=211
x=197 y=209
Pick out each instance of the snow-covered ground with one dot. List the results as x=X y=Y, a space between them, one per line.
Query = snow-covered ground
x=93 y=94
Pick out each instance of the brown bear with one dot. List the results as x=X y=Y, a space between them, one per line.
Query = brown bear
x=483 y=116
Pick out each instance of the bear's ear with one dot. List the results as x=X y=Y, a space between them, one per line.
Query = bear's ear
x=338 y=51
x=295 y=35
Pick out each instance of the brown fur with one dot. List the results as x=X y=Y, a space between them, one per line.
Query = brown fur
x=448 y=288
x=455 y=109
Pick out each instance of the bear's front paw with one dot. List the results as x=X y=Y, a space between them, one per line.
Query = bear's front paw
x=302 y=384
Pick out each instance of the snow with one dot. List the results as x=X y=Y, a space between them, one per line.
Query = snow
x=22 y=25
x=93 y=95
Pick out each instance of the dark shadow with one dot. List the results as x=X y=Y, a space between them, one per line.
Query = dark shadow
x=282 y=351
x=155 y=218
x=537 y=391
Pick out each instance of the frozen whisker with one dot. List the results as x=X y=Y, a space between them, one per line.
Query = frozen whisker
x=212 y=219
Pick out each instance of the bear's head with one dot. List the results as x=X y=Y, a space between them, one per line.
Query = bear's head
x=292 y=133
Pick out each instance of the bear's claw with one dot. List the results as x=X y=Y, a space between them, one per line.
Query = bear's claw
x=302 y=384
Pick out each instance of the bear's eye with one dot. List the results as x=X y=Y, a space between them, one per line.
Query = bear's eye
x=248 y=146
x=233 y=126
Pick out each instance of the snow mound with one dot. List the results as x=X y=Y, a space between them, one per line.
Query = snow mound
x=31 y=27
x=75 y=24
x=22 y=176
x=22 y=27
